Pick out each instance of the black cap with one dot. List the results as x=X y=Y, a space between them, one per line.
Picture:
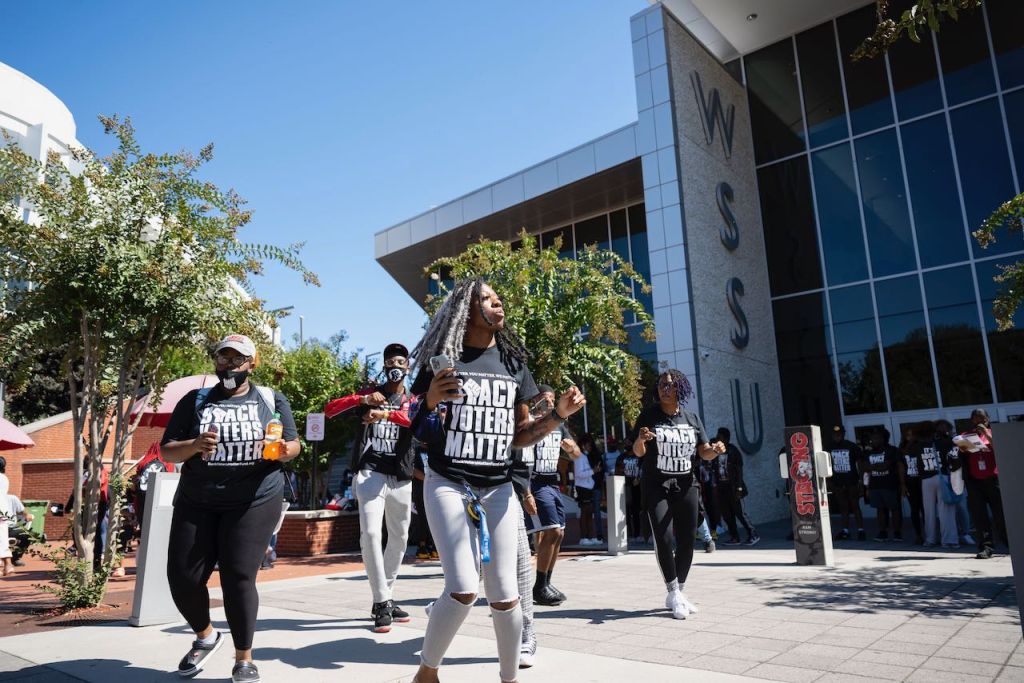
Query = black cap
x=542 y=388
x=395 y=349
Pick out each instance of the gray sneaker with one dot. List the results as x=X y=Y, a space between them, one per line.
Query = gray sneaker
x=245 y=672
x=193 y=661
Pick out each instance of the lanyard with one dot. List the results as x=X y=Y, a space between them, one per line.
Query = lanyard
x=475 y=510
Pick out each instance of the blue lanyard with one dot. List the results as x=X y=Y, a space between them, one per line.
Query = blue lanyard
x=475 y=510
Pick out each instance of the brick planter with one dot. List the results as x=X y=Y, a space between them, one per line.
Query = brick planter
x=318 y=532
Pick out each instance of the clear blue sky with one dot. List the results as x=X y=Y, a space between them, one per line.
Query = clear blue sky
x=339 y=119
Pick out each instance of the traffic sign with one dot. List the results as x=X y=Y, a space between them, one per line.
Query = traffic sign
x=315 y=427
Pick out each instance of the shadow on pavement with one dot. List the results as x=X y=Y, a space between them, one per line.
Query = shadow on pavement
x=877 y=589
x=598 y=616
x=335 y=655
x=89 y=670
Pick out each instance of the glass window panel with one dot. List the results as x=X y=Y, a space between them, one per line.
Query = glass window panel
x=1005 y=348
x=857 y=352
x=984 y=169
x=774 y=102
x=890 y=240
x=867 y=86
x=823 y=89
x=941 y=238
x=956 y=336
x=592 y=231
x=966 y=65
x=1005 y=19
x=620 y=233
x=809 y=393
x=1014 y=103
x=790 y=236
x=908 y=362
x=915 y=76
x=838 y=215
x=565 y=249
x=641 y=256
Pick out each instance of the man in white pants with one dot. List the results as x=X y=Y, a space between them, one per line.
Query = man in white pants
x=383 y=480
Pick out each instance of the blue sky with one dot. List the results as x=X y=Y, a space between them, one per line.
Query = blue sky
x=339 y=119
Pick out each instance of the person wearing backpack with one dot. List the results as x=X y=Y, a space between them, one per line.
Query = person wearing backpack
x=983 y=495
x=228 y=500
x=383 y=467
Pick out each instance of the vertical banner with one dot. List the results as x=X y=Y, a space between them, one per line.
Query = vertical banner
x=1008 y=440
x=807 y=469
x=152 y=603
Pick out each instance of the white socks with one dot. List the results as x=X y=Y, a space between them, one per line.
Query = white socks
x=508 y=631
x=673 y=585
x=208 y=640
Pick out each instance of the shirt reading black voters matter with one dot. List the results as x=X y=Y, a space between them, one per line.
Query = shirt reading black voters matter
x=236 y=474
x=883 y=467
x=845 y=458
x=672 y=453
x=547 y=451
x=475 y=445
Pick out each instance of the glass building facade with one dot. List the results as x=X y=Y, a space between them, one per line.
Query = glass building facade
x=872 y=176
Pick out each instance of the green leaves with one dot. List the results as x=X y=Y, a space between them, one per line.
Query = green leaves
x=570 y=312
x=923 y=14
x=1011 y=296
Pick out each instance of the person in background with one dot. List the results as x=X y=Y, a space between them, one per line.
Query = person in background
x=916 y=456
x=730 y=489
x=933 y=456
x=885 y=475
x=18 y=515
x=628 y=465
x=6 y=561
x=847 y=486
x=611 y=455
x=983 y=495
x=703 y=531
x=953 y=461
x=707 y=478
x=420 y=530
x=587 y=475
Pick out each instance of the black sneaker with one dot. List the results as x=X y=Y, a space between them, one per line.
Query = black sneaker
x=398 y=614
x=882 y=537
x=898 y=538
x=709 y=546
x=753 y=540
x=381 y=614
x=245 y=672
x=192 y=663
x=559 y=594
x=985 y=554
x=545 y=597
x=842 y=535
x=733 y=541
x=861 y=536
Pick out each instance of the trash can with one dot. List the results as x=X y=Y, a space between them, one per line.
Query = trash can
x=38 y=510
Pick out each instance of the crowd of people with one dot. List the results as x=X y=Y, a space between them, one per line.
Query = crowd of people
x=949 y=481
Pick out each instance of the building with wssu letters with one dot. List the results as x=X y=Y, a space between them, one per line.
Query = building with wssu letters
x=805 y=220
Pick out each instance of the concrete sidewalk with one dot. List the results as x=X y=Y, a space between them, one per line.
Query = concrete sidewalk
x=886 y=612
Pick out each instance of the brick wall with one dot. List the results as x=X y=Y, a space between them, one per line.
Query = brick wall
x=318 y=533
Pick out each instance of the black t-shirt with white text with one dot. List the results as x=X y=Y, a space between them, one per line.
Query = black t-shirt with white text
x=883 y=466
x=236 y=474
x=672 y=454
x=547 y=451
x=630 y=465
x=845 y=457
x=479 y=427
x=384 y=443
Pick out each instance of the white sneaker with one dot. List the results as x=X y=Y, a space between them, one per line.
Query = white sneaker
x=968 y=540
x=527 y=655
x=674 y=601
x=690 y=607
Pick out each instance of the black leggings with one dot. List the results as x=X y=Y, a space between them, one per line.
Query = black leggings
x=235 y=540
x=673 y=512
x=915 y=497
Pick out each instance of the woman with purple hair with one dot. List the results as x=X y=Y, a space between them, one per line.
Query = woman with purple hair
x=669 y=440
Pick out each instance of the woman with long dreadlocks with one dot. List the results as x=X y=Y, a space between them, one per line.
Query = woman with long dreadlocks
x=472 y=413
x=669 y=440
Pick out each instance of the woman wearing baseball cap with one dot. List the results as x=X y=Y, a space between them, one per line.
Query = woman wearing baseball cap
x=228 y=500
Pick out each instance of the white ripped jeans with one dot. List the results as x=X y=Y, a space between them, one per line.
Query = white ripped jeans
x=457 y=541
x=382 y=499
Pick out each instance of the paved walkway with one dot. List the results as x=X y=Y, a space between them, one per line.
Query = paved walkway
x=884 y=613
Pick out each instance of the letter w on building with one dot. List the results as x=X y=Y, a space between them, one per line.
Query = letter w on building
x=713 y=115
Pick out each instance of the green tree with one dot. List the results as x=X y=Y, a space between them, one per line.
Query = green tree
x=571 y=313
x=41 y=394
x=132 y=256
x=929 y=15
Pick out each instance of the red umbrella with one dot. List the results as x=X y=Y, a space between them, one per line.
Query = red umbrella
x=159 y=414
x=12 y=437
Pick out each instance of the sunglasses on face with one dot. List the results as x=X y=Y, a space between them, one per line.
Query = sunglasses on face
x=233 y=361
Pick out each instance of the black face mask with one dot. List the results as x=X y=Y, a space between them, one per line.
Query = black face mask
x=395 y=375
x=232 y=379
